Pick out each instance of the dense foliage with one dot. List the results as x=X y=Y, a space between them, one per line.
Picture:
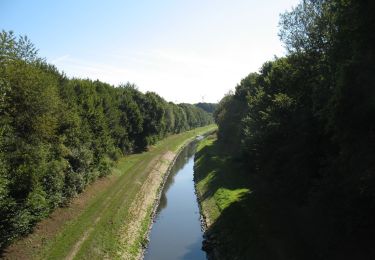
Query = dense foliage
x=57 y=134
x=208 y=107
x=304 y=125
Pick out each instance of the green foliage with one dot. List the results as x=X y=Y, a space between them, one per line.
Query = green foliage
x=305 y=124
x=208 y=107
x=58 y=135
x=12 y=48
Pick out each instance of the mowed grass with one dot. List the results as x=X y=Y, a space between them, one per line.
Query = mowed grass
x=95 y=233
x=217 y=185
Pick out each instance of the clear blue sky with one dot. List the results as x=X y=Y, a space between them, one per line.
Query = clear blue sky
x=186 y=51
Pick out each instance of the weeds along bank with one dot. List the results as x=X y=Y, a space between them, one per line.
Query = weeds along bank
x=57 y=135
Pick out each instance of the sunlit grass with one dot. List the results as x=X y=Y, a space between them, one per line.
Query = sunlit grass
x=225 y=197
x=107 y=211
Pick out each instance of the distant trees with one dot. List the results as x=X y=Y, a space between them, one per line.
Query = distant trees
x=57 y=135
x=208 y=107
x=305 y=122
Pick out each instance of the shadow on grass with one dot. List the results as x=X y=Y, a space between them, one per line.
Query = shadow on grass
x=257 y=226
x=213 y=158
x=265 y=224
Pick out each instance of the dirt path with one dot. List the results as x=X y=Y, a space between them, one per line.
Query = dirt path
x=85 y=235
x=47 y=228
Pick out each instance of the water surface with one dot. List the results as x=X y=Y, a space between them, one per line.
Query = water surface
x=176 y=233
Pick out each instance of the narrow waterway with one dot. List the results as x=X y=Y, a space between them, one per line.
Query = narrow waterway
x=176 y=233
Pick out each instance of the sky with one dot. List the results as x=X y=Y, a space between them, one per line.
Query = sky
x=186 y=51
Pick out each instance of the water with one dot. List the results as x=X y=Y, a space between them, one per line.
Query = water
x=176 y=233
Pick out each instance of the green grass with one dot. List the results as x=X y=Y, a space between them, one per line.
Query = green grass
x=225 y=197
x=245 y=221
x=224 y=191
x=224 y=188
x=107 y=211
x=216 y=184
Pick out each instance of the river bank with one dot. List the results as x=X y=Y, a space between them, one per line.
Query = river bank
x=220 y=190
x=110 y=219
x=185 y=152
x=243 y=219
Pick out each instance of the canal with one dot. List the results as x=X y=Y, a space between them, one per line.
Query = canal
x=177 y=233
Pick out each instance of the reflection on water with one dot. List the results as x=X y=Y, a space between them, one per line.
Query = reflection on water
x=180 y=162
x=176 y=233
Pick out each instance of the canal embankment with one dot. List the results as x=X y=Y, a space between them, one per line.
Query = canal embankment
x=111 y=218
x=242 y=220
x=176 y=231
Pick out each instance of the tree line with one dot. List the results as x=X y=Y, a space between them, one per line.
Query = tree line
x=304 y=124
x=208 y=107
x=57 y=134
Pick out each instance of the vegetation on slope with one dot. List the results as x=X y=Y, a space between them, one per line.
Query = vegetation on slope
x=57 y=135
x=243 y=220
x=93 y=225
x=303 y=128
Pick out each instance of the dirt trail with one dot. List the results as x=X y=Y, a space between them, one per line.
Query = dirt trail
x=47 y=228
x=79 y=243
x=117 y=192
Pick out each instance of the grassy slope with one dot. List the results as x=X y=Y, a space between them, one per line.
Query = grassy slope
x=94 y=232
x=221 y=188
x=212 y=169
x=241 y=223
